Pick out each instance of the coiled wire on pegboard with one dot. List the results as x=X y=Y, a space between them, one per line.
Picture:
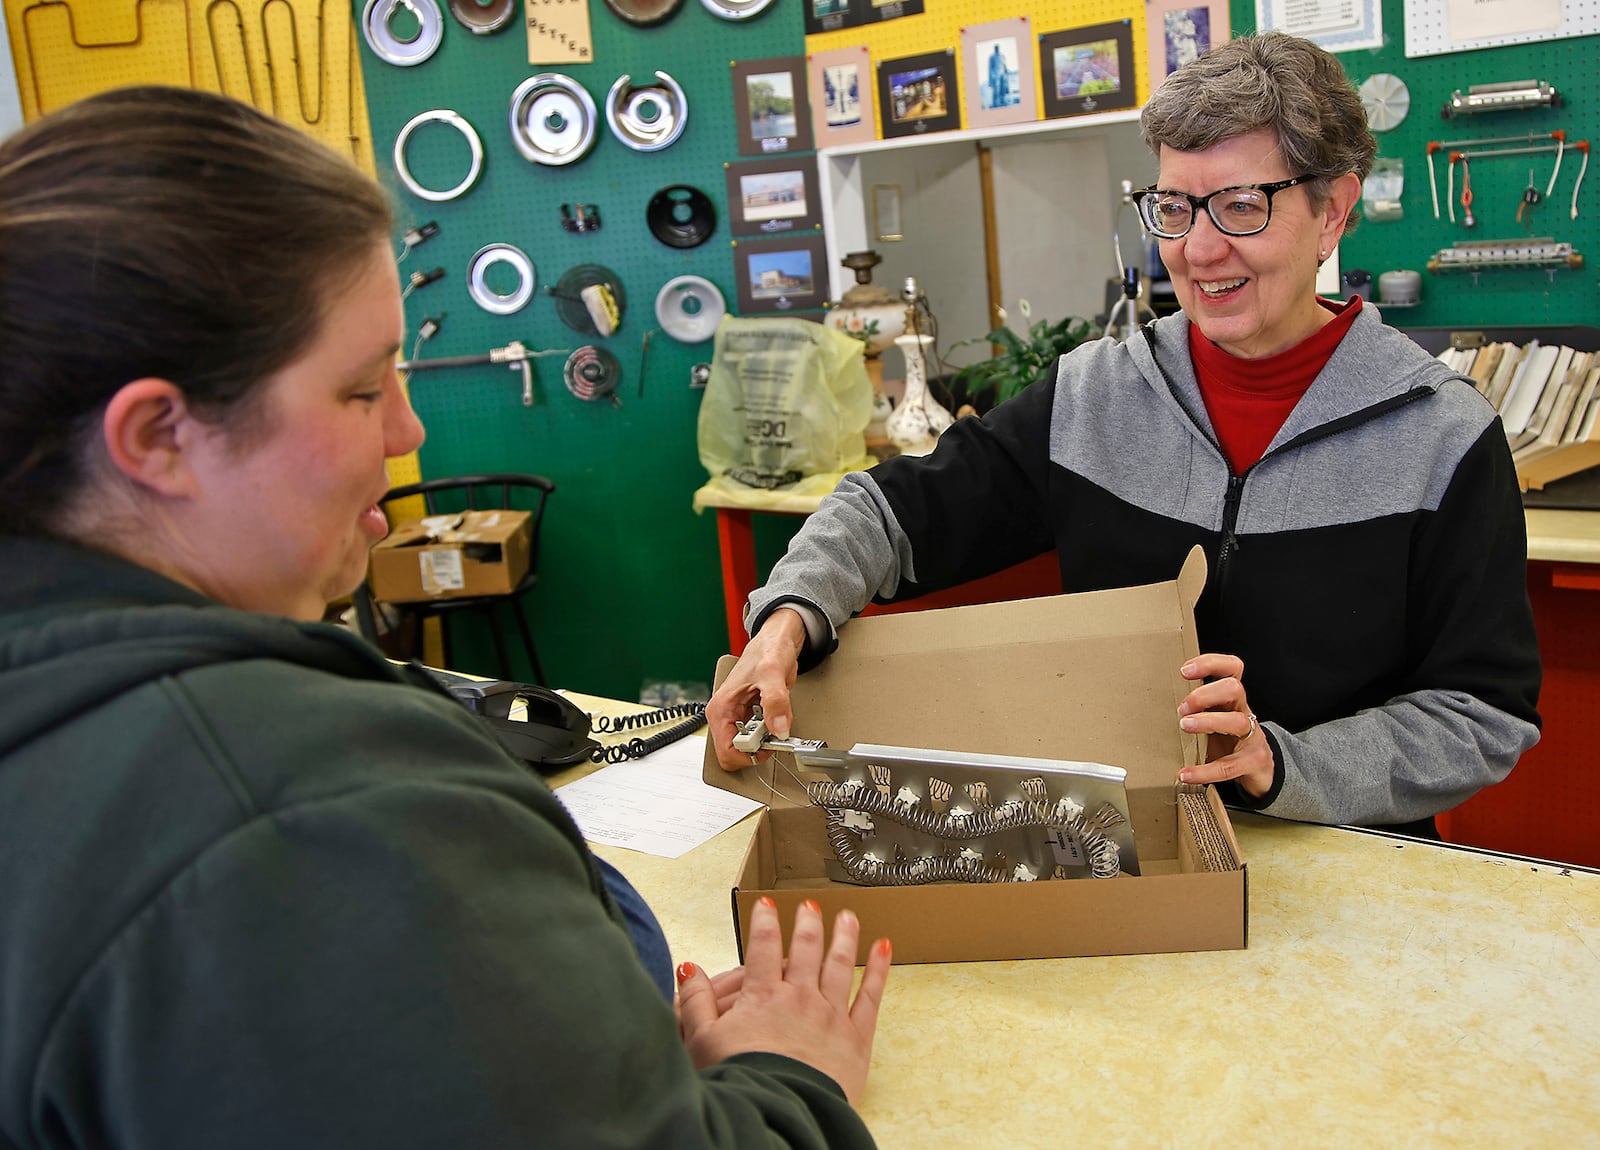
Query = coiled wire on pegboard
x=591 y=373
x=691 y=716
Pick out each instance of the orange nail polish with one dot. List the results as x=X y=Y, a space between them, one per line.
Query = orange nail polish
x=885 y=948
x=811 y=904
x=767 y=902
x=685 y=971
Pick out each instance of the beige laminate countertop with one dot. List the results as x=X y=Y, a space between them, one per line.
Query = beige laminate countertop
x=1563 y=536
x=1394 y=993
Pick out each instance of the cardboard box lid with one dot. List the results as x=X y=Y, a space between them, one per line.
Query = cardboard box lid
x=1091 y=677
x=456 y=529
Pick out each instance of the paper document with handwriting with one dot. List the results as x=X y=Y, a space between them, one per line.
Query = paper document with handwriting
x=657 y=804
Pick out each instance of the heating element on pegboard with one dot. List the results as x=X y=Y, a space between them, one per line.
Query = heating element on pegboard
x=592 y=373
x=1542 y=252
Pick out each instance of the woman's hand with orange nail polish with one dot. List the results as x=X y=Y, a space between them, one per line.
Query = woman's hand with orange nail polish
x=800 y=1006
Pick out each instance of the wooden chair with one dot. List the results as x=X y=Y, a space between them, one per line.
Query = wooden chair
x=501 y=490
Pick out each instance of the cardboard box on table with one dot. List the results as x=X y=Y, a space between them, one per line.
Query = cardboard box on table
x=451 y=556
x=1089 y=677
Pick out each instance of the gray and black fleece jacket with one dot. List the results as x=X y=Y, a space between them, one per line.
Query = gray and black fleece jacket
x=1370 y=569
x=261 y=889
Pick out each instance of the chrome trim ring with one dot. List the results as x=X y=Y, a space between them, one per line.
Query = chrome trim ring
x=625 y=107
x=553 y=119
x=643 y=13
x=388 y=47
x=736 y=9
x=492 y=301
x=440 y=116
x=483 y=19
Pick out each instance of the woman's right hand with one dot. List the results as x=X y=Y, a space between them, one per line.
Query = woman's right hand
x=800 y=1006
x=762 y=677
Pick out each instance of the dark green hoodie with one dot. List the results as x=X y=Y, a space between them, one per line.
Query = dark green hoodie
x=259 y=890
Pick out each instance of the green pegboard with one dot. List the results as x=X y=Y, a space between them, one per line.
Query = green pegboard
x=1501 y=297
x=630 y=584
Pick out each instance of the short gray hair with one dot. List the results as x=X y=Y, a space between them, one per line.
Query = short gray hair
x=1270 y=80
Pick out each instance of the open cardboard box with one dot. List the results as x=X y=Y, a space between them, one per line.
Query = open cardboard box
x=1090 y=677
x=451 y=556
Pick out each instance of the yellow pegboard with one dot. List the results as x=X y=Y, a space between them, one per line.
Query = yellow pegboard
x=294 y=59
x=939 y=27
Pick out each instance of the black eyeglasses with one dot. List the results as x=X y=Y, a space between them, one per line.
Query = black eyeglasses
x=1241 y=211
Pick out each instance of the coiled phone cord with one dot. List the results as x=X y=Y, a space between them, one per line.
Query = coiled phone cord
x=691 y=717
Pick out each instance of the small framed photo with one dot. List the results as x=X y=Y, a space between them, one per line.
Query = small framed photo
x=997 y=64
x=831 y=15
x=1090 y=69
x=770 y=110
x=1179 y=31
x=918 y=94
x=781 y=275
x=766 y=197
x=877 y=11
x=841 y=97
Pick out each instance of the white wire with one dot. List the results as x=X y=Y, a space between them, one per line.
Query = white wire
x=1433 y=186
x=1584 y=167
x=1450 y=190
x=1561 y=146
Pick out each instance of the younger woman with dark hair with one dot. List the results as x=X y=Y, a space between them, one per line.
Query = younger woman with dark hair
x=258 y=887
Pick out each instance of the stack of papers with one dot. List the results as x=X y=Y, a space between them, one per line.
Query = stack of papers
x=1548 y=397
x=657 y=804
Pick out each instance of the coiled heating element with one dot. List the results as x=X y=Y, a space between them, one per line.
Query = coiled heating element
x=903 y=816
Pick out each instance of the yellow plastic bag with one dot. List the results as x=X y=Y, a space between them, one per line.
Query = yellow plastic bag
x=787 y=398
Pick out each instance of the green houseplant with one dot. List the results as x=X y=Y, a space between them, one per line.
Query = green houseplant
x=1020 y=361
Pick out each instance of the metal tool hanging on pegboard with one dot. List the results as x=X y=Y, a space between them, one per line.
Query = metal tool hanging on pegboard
x=516 y=355
x=1465 y=151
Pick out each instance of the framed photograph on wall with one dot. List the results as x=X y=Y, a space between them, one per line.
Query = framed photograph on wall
x=997 y=63
x=917 y=94
x=770 y=110
x=781 y=275
x=840 y=83
x=877 y=11
x=766 y=197
x=831 y=15
x=1089 y=69
x=1180 y=30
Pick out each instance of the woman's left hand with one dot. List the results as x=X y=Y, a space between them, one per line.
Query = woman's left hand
x=1236 y=748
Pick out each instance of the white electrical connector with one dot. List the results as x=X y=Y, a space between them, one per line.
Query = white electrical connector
x=750 y=734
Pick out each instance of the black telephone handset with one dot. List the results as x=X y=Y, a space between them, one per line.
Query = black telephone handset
x=534 y=723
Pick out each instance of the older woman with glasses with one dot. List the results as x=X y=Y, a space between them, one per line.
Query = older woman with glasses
x=1371 y=652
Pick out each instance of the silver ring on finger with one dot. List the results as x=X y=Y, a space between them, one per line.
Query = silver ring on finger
x=1254 y=727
